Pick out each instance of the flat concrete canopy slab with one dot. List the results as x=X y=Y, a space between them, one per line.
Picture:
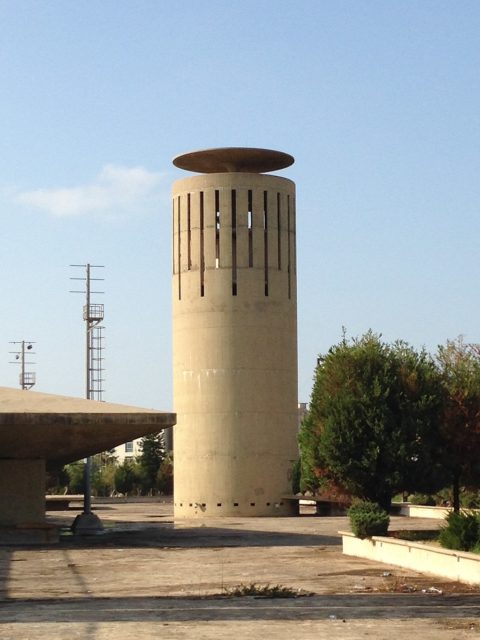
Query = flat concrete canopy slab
x=62 y=429
x=233 y=159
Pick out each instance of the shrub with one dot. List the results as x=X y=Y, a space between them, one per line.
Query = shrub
x=422 y=499
x=470 y=499
x=265 y=591
x=416 y=535
x=368 y=519
x=462 y=532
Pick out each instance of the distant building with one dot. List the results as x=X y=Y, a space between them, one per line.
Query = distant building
x=128 y=451
x=131 y=450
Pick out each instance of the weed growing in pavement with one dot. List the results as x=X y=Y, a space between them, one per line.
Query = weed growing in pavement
x=265 y=591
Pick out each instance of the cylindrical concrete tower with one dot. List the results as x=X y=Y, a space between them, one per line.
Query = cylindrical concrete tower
x=234 y=334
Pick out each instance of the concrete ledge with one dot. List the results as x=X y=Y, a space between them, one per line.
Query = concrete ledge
x=444 y=563
x=323 y=507
x=62 y=502
x=421 y=511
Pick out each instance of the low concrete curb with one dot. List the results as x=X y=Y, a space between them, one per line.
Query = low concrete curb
x=454 y=565
x=422 y=511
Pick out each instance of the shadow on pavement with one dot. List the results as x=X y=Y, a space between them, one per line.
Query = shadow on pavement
x=166 y=534
x=338 y=607
x=5 y=560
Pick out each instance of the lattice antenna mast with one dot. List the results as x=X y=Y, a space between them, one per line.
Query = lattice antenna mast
x=93 y=315
x=27 y=379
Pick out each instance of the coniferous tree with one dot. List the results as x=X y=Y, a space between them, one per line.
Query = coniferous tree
x=152 y=449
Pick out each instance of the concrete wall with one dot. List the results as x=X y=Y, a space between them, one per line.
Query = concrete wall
x=422 y=511
x=234 y=344
x=455 y=565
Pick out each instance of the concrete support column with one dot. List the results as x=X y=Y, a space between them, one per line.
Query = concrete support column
x=22 y=504
x=22 y=492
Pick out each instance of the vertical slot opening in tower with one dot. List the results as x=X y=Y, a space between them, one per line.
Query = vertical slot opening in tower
x=179 y=247
x=250 y=228
x=288 y=249
x=279 y=233
x=265 y=240
x=189 y=234
x=234 y=242
x=217 y=228
x=202 y=247
x=174 y=253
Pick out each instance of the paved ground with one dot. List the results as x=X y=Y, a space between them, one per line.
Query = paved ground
x=148 y=577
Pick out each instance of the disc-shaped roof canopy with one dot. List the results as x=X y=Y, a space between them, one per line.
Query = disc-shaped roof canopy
x=61 y=429
x=233 y=159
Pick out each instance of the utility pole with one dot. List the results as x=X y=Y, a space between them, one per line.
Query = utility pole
x=93 y=315
x=27 y=378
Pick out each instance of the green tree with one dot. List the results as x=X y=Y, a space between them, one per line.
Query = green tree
x=127 y=477
x=152 y=454
x=372 y=426
x=75 y=472
x=57 y=478
x=459 y=364
x=165 y=475
x=103 y=476
x=107 y=457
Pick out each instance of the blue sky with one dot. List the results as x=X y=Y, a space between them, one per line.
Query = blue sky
x=379 y=102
